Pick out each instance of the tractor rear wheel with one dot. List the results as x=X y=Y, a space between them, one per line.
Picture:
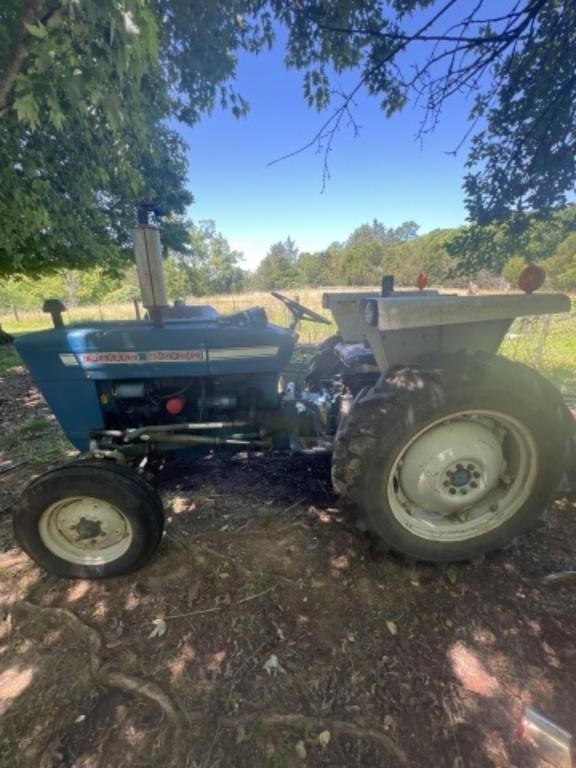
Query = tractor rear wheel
x=89 y=520
x=453 y=459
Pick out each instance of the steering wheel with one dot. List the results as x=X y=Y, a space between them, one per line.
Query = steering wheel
x=300 y=312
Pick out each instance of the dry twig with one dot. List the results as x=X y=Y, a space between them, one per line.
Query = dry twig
x=103 y=675
x=305 y=723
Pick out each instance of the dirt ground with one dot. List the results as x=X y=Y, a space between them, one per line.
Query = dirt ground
x=287 y=643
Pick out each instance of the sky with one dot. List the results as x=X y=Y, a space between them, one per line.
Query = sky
x=384 y=173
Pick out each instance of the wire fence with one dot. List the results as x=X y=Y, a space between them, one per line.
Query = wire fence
x=546 y=343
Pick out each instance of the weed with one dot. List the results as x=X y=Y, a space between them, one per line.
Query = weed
x=9 y=360
x=37 y=425
x=36 y=440
x=278 y=758
x=267 y=515
x=256 y=583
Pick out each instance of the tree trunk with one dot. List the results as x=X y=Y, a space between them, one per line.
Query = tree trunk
x=13 y=62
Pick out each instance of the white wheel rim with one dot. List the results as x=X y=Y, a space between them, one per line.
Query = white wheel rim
x=463 y=476
x=85 y=530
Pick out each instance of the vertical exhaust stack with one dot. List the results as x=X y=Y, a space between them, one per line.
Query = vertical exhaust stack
x=149 y=265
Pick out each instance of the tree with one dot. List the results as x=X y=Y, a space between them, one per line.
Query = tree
x=561 y=266
x=516 y=64
x=86 y=90
x=534 y=237
x=222 y=273
x=367 y=254
x=382 y=234
x=513 y=269
x=278 y=269
x=316 y=269
x=426 y=254
x=206 y=265
x=69 y=200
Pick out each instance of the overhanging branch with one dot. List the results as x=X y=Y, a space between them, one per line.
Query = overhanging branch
x=31 y=12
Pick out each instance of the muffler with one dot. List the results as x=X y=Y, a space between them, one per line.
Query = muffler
x=149 y=264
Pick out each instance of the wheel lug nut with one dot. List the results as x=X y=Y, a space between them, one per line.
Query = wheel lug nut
x=446 y=483
x=473 y=484
x=459 y=466
x=452 y=491
x=476 y=475
x=463 y=491
x=470 y=467
x=449 y=473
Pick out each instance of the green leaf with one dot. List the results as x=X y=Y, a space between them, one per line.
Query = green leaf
x=453 y=573
x=26 y=108
x=37 y=30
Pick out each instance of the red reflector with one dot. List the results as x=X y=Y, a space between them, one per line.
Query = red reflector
x=422 y=281
x=531 y=278
x=176 y=405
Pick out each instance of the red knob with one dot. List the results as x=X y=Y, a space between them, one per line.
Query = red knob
x=176 y=405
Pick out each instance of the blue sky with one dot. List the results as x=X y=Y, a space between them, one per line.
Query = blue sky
x=384 y=173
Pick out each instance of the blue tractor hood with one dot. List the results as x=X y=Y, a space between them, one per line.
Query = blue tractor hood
x=68 y=363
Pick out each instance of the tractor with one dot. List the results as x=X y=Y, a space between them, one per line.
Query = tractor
x=441 y=449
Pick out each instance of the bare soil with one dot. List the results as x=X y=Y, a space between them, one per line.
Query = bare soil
x=287 y=643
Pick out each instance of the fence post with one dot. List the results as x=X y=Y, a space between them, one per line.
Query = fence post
x=539 y=351
x=15 y=312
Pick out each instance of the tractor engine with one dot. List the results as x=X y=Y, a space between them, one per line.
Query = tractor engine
x=170 y=401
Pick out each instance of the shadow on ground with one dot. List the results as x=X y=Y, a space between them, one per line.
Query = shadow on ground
x=265 y=634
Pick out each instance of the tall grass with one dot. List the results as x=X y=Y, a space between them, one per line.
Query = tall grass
x=35 y=320
x=547 y=343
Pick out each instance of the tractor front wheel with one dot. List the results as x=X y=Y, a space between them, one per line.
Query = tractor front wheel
x=90 y=521
x=452 y=460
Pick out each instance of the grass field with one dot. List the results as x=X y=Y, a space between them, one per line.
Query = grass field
x=35 y=320
x=547 y=343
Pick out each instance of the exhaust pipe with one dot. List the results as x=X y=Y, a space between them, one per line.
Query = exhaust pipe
x=149 y=265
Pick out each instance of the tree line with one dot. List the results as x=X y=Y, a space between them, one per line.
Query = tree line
x=209 y=265
x=90 y=93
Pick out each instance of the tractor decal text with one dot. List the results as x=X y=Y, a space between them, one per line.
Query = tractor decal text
x=176 y=356
x=155 y=356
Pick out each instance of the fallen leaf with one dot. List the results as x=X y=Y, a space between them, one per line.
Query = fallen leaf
x=324 y=739
x=452 y=573
x=389 y=723
x=392 y=628
x=559 y=577
x=159 y=628
x=273 y=666
x=300 y=749
x=341 y=563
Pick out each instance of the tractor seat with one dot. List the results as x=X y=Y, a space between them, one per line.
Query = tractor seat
x=255 y=317
x=181 y=311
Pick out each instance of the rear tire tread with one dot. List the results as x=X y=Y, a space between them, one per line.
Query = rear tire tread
x=393 y=400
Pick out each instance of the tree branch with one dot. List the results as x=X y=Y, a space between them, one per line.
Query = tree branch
x=339 y=727
x=17 y=52
x=329 y=129
x=31 y=12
